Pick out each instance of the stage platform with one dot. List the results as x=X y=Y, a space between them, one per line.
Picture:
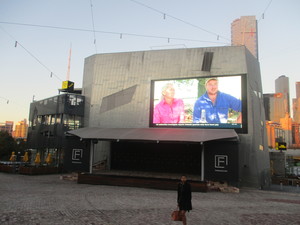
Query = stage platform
x=163 y=181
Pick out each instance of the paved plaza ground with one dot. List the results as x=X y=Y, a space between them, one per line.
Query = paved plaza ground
x=48 y=200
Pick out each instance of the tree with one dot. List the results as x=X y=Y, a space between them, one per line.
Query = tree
x=7 y=145
x=21 y=146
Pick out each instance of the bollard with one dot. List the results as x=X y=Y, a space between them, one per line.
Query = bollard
x=281 y=185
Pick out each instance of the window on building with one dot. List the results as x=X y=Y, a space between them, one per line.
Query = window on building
x=72 y=100
x=52 y=119
x=75 y=100
x=39 y=120
x=79 y=100
x=47 y=119
x=72 y=122
x=58 y=118
x=77 y=122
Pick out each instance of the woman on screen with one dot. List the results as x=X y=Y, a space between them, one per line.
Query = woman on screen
x=169 y=109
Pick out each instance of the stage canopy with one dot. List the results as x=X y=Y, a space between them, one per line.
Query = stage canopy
x=154 y=134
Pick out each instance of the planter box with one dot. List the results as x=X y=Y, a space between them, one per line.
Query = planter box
x=8 y=168
x=135 y=181
x=31 y=170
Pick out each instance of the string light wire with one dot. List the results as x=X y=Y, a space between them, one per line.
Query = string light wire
x=120 y=34
x=17 y=43
x=92 y=14
x=263 y=14
x=180 y=20
x=262 y=17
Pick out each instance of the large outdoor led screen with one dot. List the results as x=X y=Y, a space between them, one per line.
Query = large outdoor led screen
x=203 y=102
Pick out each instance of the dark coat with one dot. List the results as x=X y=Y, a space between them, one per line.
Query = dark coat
x=184 y=196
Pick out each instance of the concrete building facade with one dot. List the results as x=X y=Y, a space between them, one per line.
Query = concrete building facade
x=117 y=89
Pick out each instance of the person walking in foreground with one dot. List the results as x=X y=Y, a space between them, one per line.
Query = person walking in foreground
x=184 y=197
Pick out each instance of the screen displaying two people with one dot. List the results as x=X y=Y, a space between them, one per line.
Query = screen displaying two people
x=214 y=101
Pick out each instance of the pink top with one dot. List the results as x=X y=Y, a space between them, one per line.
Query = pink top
x=165 y=113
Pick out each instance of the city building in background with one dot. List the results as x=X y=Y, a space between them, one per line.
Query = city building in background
x=296 y=117
x=282 y=86
x=21 y=129
x=283 y=131
x=7 y=127
x=295 y=136
x=244 y=33
x=281 y=127
x=296 y=104
x=274 y=107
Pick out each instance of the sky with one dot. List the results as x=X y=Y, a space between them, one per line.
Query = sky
x=37 y=35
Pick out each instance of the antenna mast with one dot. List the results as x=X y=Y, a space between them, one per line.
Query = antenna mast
x=69 y=63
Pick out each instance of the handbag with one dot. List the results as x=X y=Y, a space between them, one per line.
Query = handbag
x=176 y=215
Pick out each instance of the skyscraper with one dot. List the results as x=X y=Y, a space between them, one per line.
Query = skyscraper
x=280 y=126
x=282 y=86
x=244 y=32
x=274 y=107
x=296 y=104
x=297 y=89
x=21 y=129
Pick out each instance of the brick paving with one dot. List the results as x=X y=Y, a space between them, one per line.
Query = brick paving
x=47 y=200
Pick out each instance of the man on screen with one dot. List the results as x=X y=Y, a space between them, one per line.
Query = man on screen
x=213 y=106
x=169 y=109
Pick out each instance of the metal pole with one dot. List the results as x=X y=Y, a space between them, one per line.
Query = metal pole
x=202 y=161
x=91 y=156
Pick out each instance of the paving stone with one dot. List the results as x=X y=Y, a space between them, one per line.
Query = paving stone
x=48 y=200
